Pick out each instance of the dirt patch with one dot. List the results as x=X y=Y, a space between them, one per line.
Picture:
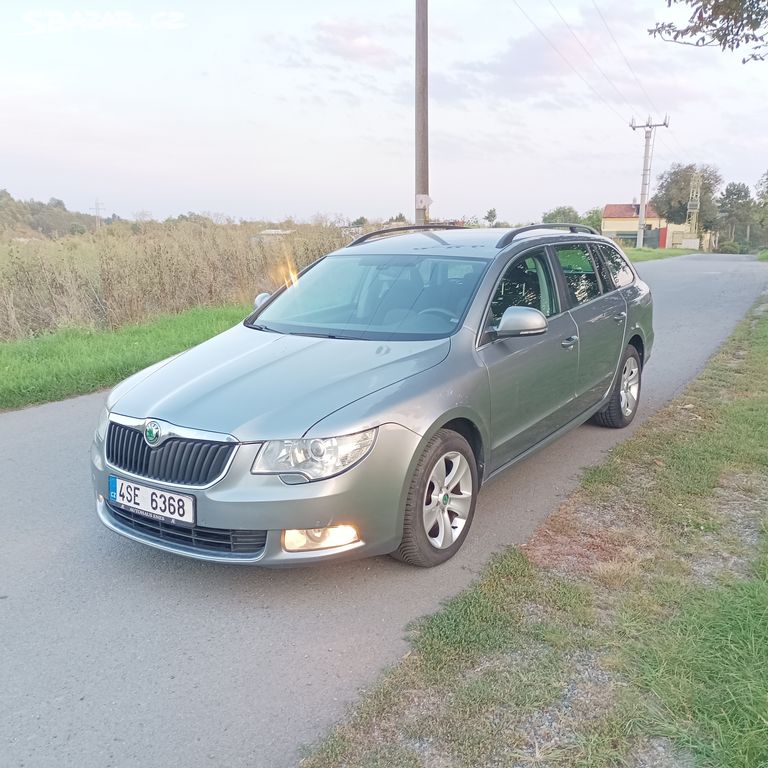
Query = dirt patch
x=584 y=538
x=547 y=736
x=741 y=504
x=659 y=753
x=574 y=539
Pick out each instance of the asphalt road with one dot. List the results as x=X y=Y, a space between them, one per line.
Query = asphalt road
x=113 y=654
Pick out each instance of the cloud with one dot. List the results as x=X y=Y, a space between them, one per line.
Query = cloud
x=354 y=42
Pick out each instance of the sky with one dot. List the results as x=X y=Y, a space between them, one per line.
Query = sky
x=269 y=110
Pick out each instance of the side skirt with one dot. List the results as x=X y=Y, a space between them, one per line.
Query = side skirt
x=577 y=422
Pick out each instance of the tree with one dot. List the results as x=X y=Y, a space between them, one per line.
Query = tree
x=729 y=24
x=761 y=188
x=360 y=221
x=593 y=218
x=737 y=208
x=491 y=217
x=399 y=219
x=674 y=189
x=563 y=214
x=761 y=192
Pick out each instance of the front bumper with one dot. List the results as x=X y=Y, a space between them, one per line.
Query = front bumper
x=256 y=509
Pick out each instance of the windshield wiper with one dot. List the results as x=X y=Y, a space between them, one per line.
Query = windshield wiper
x=313 y=335
x=257 y=327
x=322 y=335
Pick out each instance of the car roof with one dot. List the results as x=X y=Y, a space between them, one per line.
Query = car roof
x=477 y=242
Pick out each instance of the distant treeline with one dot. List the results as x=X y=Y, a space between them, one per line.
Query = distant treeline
x=51 y=219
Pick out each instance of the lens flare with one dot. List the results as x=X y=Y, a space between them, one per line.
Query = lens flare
x=288 y=273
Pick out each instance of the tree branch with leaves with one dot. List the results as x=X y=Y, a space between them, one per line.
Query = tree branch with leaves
x=728 y=24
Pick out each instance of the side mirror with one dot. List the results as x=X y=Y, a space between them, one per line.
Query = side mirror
x=521 y=321
x=260 y=299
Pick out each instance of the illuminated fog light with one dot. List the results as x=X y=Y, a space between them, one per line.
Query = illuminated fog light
x=307 y=539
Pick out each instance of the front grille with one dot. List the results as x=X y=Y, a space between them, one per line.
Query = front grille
x=177 y=460
x=212 y=540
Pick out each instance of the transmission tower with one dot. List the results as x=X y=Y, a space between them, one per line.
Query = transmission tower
x=97 y=208
x=694 y=204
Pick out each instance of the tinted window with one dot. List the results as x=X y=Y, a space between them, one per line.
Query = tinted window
x=376 y=296
x=526 y=283
x=621 y=272
x=605 y=277
x=580 y=276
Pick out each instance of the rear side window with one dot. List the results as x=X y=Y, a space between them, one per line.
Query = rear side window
x=579 y=270
x=620 y=271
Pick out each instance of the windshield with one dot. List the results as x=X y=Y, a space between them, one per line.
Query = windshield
x=375 y=296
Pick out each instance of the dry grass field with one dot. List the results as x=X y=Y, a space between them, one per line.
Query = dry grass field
x=121 y=275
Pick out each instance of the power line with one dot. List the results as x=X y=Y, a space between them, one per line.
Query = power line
x=567 y=61
x=634 y=74
x=626 y=60
x=592 y=58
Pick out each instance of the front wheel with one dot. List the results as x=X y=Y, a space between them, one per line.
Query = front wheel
x=625 y=398
x=441 y=501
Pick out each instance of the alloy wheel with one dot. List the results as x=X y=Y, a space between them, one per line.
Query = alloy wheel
x=447 y=500
x=630 y=386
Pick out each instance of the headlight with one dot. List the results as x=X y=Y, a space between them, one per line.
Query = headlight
x=101 y=427
x=315 y=458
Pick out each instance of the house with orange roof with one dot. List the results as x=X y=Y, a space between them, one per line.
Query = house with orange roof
x=620 y=222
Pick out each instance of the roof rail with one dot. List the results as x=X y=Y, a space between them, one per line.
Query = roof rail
x=411 y=227
x=508 y=237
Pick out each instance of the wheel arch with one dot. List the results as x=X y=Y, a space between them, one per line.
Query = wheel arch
x=471 y=433
x=637 y=342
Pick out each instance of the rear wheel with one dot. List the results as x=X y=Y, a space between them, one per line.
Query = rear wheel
x=625 y=398
x=441 y=501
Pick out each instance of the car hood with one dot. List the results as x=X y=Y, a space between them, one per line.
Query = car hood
x=257 y=385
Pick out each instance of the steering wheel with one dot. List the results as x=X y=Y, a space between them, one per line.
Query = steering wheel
x=438 y=311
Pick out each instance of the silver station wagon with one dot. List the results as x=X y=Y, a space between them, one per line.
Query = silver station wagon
x=359 y=409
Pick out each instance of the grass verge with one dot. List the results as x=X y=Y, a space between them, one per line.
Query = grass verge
x=631 y=630
x=651 y=254
x=74 y=362
x=762 y=256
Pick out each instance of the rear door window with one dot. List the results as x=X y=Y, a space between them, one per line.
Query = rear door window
x=620 y=271
x=579 y=270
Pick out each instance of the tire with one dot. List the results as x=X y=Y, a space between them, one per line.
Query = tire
x=451 y=506
x=625 y=398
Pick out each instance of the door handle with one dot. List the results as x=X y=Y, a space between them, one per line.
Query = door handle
x=569 y=343
x=621 y=317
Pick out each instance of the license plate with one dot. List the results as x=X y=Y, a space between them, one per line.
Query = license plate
x=152 y=503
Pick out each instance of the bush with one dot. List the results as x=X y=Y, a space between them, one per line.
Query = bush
x=729 y=247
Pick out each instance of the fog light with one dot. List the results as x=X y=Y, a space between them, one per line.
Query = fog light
x=305 y=539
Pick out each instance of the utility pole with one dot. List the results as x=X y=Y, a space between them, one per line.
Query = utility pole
x=645 y=187
x=97 y=210
x=422 y=113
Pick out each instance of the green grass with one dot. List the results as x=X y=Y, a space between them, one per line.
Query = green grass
x=74 y=362
x=762 y=256
x=707 y=673
x=683 y=659
x=651 y=254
